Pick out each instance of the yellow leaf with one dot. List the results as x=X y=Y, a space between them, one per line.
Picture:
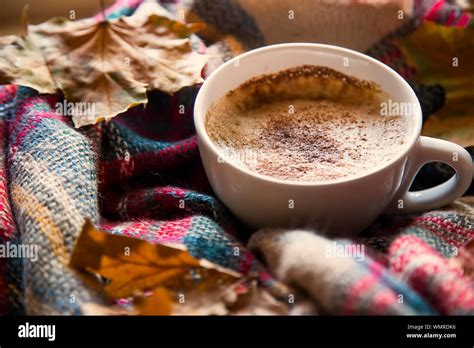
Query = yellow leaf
x=158 y=303
x=133 y=266
x=444 y=55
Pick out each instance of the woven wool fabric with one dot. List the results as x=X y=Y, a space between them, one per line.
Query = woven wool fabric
x=340 y=285
x=53 y=187
x=140 y=175
x=7 y=102
x=431 y=275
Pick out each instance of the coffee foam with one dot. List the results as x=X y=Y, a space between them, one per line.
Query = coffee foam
x=307 y=123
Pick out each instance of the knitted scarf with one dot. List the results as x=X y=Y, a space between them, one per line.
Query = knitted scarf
x=140 y=175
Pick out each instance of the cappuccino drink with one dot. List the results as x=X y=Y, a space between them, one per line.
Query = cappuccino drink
x=308 y=123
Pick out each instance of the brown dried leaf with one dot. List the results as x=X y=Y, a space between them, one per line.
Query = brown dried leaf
x=22 y=64
x=213 y=298
x=108 y=65
x=258 y=301
x=91 y=308
x=133 y=266
x=157 y=303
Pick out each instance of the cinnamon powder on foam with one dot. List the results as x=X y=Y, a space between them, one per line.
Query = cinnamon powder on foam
x=307 y=123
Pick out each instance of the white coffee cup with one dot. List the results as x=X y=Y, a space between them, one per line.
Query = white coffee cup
x=337 y=207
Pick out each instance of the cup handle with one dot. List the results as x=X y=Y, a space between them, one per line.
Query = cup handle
x=433 y=150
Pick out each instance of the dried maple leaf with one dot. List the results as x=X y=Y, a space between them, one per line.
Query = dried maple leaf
x=91 y=308
x=258 y=301
x=22 y=64
x=211 y=298
x=158 y=303
x=133 y=266
x=110 y=64
x=444 y=55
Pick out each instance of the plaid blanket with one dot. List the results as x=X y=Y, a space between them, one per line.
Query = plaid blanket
x=140 y=175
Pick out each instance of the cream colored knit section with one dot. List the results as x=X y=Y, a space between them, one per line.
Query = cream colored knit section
x=352 y=24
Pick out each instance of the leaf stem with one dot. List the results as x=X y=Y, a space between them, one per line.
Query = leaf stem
x=102 y=9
